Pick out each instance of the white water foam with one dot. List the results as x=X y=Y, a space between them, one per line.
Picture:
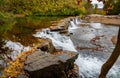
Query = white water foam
x=90 y=67
x=87 y=37
x=16 y=48
x=77 y=21
x=96 y=25
x=59 y=41
x=72 y=27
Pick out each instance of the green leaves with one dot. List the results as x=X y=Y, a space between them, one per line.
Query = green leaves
x=6 y=22
x=42 y=7
x=112 y=8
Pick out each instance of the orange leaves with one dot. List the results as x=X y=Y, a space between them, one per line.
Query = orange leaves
x=13 y=70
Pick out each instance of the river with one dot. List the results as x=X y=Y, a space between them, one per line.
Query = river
x=91 y=40
x=19 y=37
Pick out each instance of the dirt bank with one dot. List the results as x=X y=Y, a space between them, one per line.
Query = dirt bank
x=105 y=19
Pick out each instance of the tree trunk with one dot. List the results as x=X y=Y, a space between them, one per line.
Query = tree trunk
x=112 y=59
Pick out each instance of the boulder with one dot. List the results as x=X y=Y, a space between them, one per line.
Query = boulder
x=46 y=65
x=46 y=46
x=57 y=28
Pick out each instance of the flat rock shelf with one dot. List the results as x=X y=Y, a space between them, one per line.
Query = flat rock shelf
x=45 y=65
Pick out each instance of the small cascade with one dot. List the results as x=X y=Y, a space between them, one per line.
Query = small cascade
x=16 y=48
x=78 y=21
x=72 y=26
x=59 y=41
x=89 y=63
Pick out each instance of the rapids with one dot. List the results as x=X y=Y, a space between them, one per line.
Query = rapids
x=92 y=53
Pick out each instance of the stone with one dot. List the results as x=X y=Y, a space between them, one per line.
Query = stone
x=46 y=65
x=114 y=39
x=46 y=46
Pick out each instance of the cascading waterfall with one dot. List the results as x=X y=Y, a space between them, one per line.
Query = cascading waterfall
x=16 y=48
x=59 y=41
x=78 y=21
x=89 y=64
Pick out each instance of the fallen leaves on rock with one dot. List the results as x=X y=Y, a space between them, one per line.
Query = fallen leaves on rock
x=15 y=67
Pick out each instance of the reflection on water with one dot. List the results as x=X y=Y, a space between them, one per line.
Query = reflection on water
x=24 y=28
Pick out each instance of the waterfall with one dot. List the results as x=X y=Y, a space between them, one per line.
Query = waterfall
x=89 y=64
x=78 y=21
x=16 y=48
x=59 y=41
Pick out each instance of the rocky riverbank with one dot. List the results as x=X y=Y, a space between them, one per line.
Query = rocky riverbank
x=45 y=61
x=110 y=19
x=49 y=62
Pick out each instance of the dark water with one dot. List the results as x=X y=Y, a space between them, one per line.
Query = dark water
x=24 y=28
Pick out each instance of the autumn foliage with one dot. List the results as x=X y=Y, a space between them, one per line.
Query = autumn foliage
x=15 y=67
x=41 y=7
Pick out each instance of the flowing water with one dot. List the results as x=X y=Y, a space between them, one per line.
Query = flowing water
x=92 y=42
x=18 y=36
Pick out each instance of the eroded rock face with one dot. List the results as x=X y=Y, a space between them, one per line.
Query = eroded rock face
x=45 y=62
x=46 y=46
x=46 y=65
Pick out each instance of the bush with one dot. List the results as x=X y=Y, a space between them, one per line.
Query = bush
x=112 y=8
x=42 y=7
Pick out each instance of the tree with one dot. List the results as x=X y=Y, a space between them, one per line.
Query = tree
x=111 y=7
x=112 y=59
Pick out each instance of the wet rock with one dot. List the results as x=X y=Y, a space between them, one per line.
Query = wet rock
x=57 y=28
x=63 y=32
x=47 y=46
x=114 y=39
x=62 y=26
x=22 y=76
x=46 y=65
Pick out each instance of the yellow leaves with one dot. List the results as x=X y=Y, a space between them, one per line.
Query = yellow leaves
x=104 y=12
x=15 y=67
x=83 y=9
x=13 y=70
